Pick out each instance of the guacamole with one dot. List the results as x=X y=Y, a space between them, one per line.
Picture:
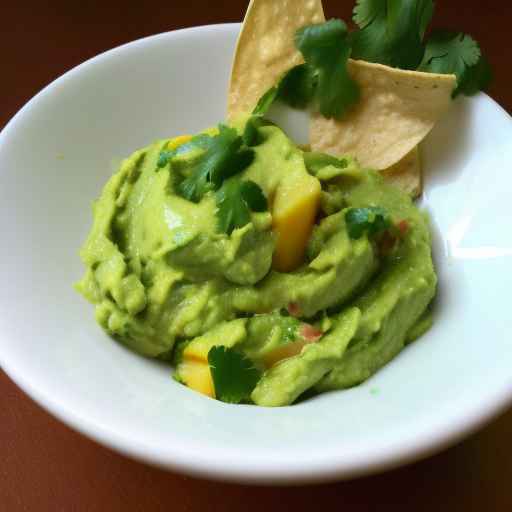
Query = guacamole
x=312 y=300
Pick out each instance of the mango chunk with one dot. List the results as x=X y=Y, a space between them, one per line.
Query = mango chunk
x=196 y=375
x=286 y=351
x=294 y=212
x=196 y=352
x=178 y=141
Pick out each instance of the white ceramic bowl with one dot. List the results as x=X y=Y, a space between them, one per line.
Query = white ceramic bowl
x=56 y=154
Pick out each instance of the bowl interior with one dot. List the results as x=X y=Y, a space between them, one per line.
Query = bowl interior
x=55 y=156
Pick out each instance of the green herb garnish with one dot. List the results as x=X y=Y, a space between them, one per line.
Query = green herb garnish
x=323 y=79
x=372 y=220
x=391 y=31
x=266 y=101
x=477 y=78
x=223 y=158
x=252 y=136
x=297 y=87
x=235 y=200
x=457 y=53
x=234 y=375
x=326 y=50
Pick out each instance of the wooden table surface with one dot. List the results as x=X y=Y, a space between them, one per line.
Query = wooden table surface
x=44 y=466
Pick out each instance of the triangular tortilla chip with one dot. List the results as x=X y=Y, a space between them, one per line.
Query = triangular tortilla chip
x=406 y=174
x=396 y=112
x=397 y=109
x=266 y=48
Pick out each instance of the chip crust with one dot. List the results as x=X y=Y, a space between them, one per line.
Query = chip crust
x=397 y=110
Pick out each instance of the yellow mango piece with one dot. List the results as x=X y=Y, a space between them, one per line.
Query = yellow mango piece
x=286 y=351
x=196 y=375
x=196 y=352
x=294 y=213
x=178 y=141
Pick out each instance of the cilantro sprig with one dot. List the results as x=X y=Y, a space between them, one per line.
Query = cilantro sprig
x=221 y=158
x=252 y=136
x=391 y=31
x=460 y=54
x=298 y=86
x=224 y=157
x=266 y=101
x=235 y=201
x=326 y=50
x=324 y=79
x=234 y=375
x=372 y=220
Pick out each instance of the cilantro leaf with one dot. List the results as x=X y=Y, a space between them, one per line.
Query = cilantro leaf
x=266 y=101
x=477 y=78
x=234 y=376
x=407 y=23
x=252 y=136
x=254 y=197
x=391 y=31
x=297 y=87
x=457 y=53
x=232 y=210
x=323 y=78
x=223 y=158
x=426 y=17
x=366 y=11
x=372 y=220
x=235 y=200
x=201 y=141
x=326 y=49
x=370 y=42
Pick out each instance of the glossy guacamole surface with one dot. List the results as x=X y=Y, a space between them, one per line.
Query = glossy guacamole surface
x=168 y=284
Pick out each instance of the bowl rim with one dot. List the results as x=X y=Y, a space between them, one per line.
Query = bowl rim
x=332 y=467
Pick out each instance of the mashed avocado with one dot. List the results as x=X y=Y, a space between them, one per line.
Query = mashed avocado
x=167 y=283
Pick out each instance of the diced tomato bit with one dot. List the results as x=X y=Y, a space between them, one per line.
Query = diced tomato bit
x=294 y=309
x=403 y=227
x=386 y=243
x=310 y=332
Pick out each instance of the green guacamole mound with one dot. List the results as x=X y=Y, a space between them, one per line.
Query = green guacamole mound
x=160 y=273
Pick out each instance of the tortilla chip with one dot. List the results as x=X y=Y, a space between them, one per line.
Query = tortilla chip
x=396 y=112
x=406 y=174
x=266 y=48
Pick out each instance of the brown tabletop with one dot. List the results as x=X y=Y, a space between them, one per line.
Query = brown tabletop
x=44 y=466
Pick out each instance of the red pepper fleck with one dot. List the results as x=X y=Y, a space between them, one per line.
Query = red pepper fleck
x=310 y=332
x=294 y=309
x=403 y=227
